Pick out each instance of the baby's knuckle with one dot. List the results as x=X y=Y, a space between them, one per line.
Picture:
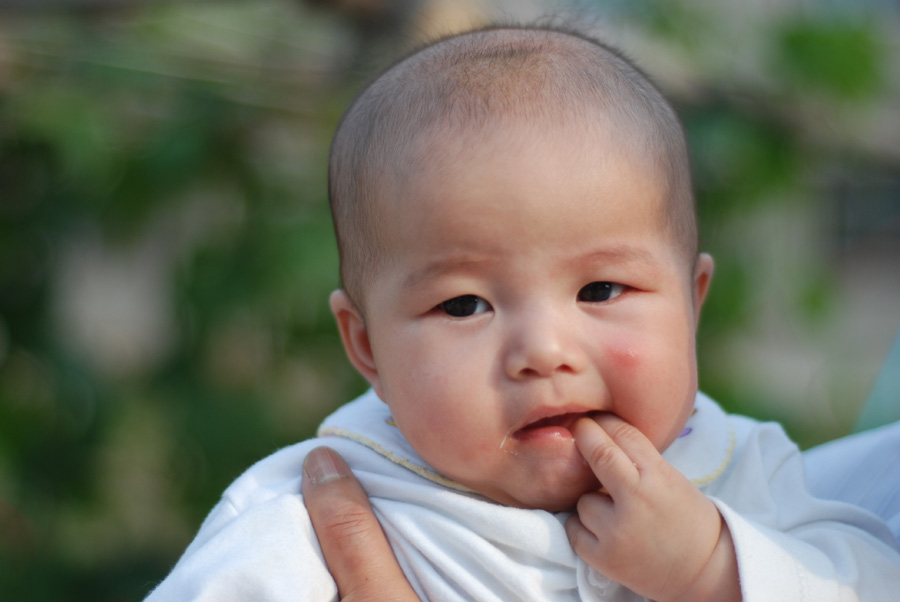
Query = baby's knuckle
x=602 y=455
x=624 y=433
x=583 y=542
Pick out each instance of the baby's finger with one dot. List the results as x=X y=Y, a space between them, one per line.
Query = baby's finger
x=584 y=541
x=630 y=440
x=615 y=470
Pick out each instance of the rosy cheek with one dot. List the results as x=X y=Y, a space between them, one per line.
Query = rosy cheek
x=625 y=356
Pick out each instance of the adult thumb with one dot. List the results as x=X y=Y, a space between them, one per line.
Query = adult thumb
x=355 y=548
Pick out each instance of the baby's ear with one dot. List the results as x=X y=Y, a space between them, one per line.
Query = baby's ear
x=703 y=273
x=355 y=336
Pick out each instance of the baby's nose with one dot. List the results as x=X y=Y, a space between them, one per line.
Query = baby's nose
x=541 y=345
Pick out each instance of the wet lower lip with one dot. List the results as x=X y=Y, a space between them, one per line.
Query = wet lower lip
x=544 y=432
x=554 y=427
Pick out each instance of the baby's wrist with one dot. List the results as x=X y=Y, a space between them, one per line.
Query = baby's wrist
x=718 y=580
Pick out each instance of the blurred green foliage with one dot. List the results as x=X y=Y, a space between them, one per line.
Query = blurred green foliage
x=188 y=144
x=166 y=256
x=832 y=56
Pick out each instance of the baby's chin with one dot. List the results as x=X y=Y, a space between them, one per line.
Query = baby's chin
x=552 y=499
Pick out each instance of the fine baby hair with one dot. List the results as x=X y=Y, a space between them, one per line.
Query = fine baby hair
x=464 y=85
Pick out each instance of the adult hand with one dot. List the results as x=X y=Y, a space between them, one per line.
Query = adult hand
x=355 y=548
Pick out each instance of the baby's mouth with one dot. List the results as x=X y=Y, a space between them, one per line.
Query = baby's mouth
x=560 y=424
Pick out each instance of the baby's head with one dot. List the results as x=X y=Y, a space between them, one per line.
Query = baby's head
x=518 y=248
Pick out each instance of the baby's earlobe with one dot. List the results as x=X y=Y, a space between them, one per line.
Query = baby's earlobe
x=354 y=335
x=703 y=273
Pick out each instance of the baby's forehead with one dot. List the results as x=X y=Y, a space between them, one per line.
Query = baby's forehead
x=439 y=149
x=452 y=163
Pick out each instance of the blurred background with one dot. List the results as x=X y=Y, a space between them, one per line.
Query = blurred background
x=166 y=252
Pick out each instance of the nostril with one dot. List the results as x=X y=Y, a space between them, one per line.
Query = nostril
x=543 y=352
x=538 y=370
x=528 y=372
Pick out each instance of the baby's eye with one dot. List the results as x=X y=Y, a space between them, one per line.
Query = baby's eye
x=597 y=292
x=465 y=305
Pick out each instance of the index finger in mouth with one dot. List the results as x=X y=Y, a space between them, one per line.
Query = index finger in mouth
x=608 y=461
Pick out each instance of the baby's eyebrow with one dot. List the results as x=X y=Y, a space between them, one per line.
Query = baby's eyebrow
x=443 y=265
x=619 y=254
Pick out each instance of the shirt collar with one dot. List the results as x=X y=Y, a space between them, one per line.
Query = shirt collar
x=701 y=452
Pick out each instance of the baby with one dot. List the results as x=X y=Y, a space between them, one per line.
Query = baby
x=521 y=288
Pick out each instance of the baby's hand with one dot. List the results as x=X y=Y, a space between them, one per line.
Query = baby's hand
x=649 y=528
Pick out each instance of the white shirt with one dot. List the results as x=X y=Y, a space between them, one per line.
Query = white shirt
x=452 y=544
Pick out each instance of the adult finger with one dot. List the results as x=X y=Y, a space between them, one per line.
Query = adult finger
x=355 y=548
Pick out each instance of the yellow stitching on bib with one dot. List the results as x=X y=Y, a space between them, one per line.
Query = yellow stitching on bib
x=732 y=441
x=419 y=470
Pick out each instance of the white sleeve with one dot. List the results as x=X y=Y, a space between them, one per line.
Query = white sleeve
x=267 y=552
x=862 y=469
x=791 y=545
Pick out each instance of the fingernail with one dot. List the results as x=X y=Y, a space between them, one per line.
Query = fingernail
x=323 y=465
